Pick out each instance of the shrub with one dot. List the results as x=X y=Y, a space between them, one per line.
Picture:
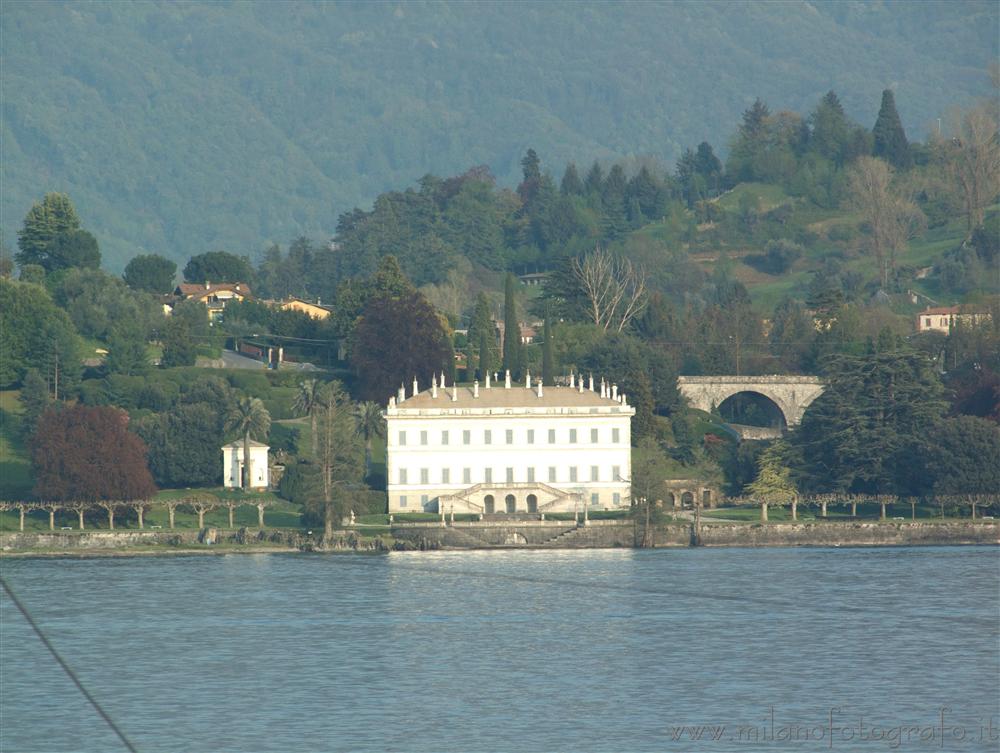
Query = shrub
x=841 y=233
x=778 y=257
x=253 y=383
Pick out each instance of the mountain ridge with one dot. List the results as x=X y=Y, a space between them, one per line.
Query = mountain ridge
x=181 y=129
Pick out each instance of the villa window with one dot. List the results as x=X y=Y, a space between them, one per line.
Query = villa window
x=572 y=436
x=616 y=472
x=445 y=475
x=423 y=437
x=402 y=438
x=402 y=475
x=552 y=474
x=531 y=436
x=466 y=475
x=593 y=436
x=531 y=475
x=594 y=474
x=489 y=475
x=616 y=498
x=510 y=436
x=424 y=475
x=402 y=501
x=595 y=500
x=488 y=437
x=444 y=437
x=510 y=475
x=572 y=473
x=616 y=435
x=466 y=437
x=552 y=436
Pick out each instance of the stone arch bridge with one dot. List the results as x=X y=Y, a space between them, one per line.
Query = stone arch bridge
x=790 y=394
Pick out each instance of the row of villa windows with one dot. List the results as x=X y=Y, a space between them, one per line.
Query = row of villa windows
x=595 y=501
x=509 y=476
x=508 y=436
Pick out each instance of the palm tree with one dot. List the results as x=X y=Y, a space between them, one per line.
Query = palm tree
x=248 y=417
x=369 y=424
x=309 y=400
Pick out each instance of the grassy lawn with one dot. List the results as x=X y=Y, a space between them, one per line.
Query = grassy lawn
x=15 y=468
x=768 y=196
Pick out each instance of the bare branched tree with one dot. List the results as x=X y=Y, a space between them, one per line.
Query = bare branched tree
x=202 y=503
x=79 y=506
x=892 y=218
x=52 y=508
x=110 y=505
x=974 y=160
x=614 y=287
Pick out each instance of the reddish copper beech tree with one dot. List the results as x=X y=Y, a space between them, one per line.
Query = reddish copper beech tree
x=88 y=454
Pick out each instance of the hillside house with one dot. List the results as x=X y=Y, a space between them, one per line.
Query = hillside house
x=943 y=318
x=215 y=295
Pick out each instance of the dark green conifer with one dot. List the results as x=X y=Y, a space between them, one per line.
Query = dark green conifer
x=890 y=139
x=548 y=365
x=571 y=184
x=511 y=331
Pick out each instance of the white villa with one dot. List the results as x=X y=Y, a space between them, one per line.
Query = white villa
x=504 y=448
x=232 y=465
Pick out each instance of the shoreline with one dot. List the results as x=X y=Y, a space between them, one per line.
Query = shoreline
x=498 y=535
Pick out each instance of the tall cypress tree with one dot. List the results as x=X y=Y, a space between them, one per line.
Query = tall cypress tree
x=548 y=366
x=448 y=346
x=482 y=324
x=890 y=139
x=511 y=330
x=485 y=356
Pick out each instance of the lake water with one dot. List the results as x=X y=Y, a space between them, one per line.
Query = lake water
x=615 y=650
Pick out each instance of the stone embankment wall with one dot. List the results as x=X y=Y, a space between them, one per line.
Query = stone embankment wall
x=524 y=534
x=852 y=534
x=97 y=541
x=611 y=534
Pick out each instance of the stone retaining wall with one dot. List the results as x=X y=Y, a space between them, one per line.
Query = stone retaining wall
x=552 y=534
x=613 y=534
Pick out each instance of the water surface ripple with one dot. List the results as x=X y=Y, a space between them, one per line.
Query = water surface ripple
x=616 y=650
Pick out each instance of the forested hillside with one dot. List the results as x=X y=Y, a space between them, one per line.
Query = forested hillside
x=179 y=129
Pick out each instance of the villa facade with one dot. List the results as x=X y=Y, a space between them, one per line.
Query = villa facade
x=504 y=448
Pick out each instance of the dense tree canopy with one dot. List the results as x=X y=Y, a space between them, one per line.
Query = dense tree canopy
x=151 y=273
x=218 y=266
x=861 y=433
x=46 y=221
x=35 y=333
x=183 y=445
x=397 y=339
x=88 y=453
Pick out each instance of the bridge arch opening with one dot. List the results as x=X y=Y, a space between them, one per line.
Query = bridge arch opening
x=749 y=408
